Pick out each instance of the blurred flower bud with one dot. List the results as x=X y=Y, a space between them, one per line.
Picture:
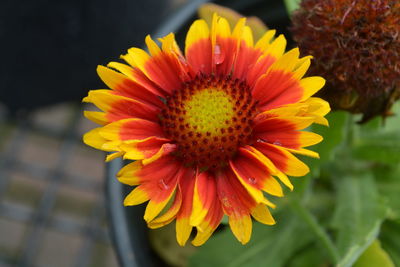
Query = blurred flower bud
x=356 y=47
x=207 y=10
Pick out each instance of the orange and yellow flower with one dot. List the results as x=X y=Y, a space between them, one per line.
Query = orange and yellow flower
x=211 y=130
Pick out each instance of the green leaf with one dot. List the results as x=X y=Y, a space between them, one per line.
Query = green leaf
x=270 y=246
x=292 y=5
x=333 y=135
x=378 y=147
x=393 y=123
x=388 y=182
x=390 y=238
x=374 y=255
x=358 y=216
x=310 y=256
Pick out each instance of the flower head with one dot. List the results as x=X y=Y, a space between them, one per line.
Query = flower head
x=356 y=45
x=209 y=131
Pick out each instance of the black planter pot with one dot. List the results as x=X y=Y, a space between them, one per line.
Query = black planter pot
x=127 y=227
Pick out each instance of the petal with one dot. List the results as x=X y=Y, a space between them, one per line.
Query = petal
x=220 y=30
x=128 y=174
x=311 y=85
x=198 y=47
x=317 y=108
x=254 y=172
x=283 y=159
x=301 y=67
x=281 y=84
x=297 y=109
x=304 y=152
x=225 y=52
x=227 y=46
x=250 y=177
x=205 y=195
x=236 y=203
x=232 y=195
x=287 y=62
x=169 y=215
x=312 y=107
x=264 y=42
x=284 y=131
x=183 y=227
x=262 y=214
x=241 y=227
x=156 y=205
x=138 y=77
x=197 y=31
x=164 y=68
x=145 y=149
x=114 y=155
x=247 y=36
x=96 y=116
x=277 y=88
x=129 y=87
x=166 y=149
x=281 y=124
x=277 y=47
x=137 y=196
x=270 y=186
x=153 y=48
x=94 y=139
x=209 y=224
x=120 y=107
x=258 y=69
x=264 y=59
x=158 y=181
x=137 y=173
x=169 y=44
x=183 y=230
x=245 y=61
x=131 y=129
x=289 y=139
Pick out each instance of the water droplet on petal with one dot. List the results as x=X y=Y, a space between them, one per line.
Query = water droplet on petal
x=277 y=143
x=162 y=185
x=252 y=180
x=219 y=55
x=260 y=140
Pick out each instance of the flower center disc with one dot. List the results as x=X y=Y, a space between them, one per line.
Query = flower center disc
x=209 y=119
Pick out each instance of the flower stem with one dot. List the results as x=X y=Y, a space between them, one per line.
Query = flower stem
x=320 y=233
x=349 y=132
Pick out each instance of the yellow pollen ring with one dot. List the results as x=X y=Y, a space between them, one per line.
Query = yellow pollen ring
x=209 y=109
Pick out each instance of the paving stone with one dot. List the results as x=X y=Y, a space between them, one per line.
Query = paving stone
x=11 y=234
x=58 y=249
x=55 y=117
x=87 y=162
x=103 y=256
x=25 y=189
x=63 y=238
x=41 y=150
x=75 y=203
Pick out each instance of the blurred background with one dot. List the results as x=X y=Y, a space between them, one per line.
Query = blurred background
x=52 y=207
